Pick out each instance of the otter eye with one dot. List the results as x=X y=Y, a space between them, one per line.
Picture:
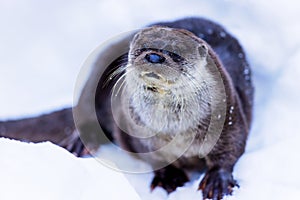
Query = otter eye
x=155 y=58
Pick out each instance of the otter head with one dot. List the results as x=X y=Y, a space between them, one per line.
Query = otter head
x=165 y=78
x=160 y=56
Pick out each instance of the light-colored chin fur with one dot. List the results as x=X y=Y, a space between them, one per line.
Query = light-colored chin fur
x=176 y=108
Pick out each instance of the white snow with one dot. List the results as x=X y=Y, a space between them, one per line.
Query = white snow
x=46 y=171
x=44 y=43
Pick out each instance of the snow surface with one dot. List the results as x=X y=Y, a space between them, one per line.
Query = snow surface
x=43 y=44
x=46 y=171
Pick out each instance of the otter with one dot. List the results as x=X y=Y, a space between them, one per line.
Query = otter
x=172 y=80
x=170 y=84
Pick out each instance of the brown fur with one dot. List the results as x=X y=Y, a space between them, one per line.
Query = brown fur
x=228 y=56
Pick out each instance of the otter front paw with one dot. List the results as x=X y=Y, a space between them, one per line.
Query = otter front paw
x=217 y=183
x=169 y=178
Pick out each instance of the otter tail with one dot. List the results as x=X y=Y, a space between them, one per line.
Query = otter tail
x=57 y=127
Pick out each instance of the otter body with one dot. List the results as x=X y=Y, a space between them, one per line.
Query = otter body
x=169 y=88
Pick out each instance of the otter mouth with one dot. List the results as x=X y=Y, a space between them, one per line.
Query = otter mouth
x=155 y=82
x=155 y=89
x=151 y=88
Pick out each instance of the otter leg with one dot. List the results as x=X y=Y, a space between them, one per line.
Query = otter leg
x=218 y=180
x=217 y=183
x=75 y=146
x=169 y=178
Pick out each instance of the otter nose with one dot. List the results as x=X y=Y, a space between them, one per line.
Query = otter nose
x=155 y=58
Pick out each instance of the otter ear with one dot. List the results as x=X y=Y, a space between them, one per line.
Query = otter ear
x=203 y=50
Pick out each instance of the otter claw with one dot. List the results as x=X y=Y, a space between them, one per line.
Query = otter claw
x=217 y=183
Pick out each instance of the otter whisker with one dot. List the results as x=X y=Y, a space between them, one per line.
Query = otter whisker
x=123 y=81
x=202 y=87
x=192 y=80
x=114 y=73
